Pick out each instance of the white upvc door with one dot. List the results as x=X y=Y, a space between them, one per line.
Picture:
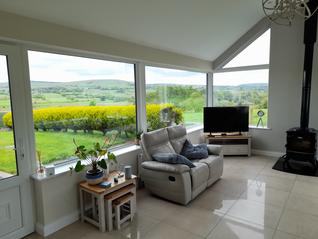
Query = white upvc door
x=16 y=166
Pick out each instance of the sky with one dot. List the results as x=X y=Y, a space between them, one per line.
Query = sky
x=60 y=68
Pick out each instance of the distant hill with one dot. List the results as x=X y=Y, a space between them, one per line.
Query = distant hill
x=258 y=86
x=109 y=84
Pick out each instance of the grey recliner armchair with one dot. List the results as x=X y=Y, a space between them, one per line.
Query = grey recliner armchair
x=177 y=182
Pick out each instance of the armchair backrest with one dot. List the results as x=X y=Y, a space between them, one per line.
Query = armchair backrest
x=177 y=136
x=156 y=141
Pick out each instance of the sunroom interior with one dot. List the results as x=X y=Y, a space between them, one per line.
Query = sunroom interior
x=51 y=62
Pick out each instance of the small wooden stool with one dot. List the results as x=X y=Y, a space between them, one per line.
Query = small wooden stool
x=120 y=205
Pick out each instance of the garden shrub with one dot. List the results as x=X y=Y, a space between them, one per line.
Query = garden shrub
x=100 y=118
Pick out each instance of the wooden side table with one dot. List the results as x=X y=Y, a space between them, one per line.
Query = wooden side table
x=104 y=196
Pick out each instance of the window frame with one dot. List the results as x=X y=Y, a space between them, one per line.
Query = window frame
x=221 y=69
x=73 y=53
x=208 y=95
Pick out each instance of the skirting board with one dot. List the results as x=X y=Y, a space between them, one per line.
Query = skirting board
x=267 y=153
x=45 y=230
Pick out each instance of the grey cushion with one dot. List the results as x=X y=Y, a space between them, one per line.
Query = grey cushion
x=177 y=136
x=192 y=152
x=199 y=174
x=165 y=167
x=172 y=159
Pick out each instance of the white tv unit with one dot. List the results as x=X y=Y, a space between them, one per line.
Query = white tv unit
x=232 y=144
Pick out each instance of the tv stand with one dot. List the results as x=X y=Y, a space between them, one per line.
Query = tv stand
x=232 y=144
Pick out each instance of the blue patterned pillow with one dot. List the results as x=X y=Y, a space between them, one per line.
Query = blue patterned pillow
x=172 y=159
x=192 y=152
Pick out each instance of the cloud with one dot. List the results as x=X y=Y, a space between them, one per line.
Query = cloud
x=155 y=75
x=61 y=68
x=3 y=69
x=240 y=77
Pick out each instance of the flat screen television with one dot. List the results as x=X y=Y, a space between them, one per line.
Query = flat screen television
x=226 y=119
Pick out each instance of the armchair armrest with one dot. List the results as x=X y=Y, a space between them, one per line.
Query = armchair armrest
x=165 y=167
x=215 y=149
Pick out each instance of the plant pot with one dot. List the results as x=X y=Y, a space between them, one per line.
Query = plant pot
x=94 y=177
x=137 y=141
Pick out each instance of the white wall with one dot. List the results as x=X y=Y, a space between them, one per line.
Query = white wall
x=27 y=30
x=285 y=82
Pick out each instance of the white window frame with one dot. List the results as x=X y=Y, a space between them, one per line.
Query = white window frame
x=240 y=45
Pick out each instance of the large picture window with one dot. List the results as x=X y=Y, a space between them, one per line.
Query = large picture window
x=174 y=96
x=80 y=98
x=244 y=81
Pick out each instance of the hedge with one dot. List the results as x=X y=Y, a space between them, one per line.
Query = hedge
x=100 y=118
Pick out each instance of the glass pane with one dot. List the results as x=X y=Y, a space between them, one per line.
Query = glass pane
x=243 y=88
x=8 y=165
x=174 y=96
x=257 y=53
x=81 y=98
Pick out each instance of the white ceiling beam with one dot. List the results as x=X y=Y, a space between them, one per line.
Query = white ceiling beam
x=242 y=68
x=251 y=35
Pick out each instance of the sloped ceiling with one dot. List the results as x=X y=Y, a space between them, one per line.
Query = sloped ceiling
x=198 y=28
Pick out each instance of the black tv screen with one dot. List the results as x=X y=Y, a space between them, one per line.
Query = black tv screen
x=226 y=119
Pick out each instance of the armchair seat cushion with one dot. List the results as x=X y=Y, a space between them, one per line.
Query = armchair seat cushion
x=165 y=167
x=214 y=163
x=199 y=174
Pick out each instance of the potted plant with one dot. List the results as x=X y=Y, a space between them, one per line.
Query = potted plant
x=97 y=157
x=138 y=137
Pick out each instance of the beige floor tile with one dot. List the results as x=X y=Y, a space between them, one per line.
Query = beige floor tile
x=214 y=201
x=303 y=203
x=140 y=225
x=299 y=224
x=255 y=212
x=165 y=231
x=75 y=231
x=259 y=192
x=33 y=236
x=284 y=235
x=199 y=221
x=231 y=186
x=233 y=228
x=307 y=179
x=268 y=171
x=156 y=208
x=306 y=188
x=283 y=184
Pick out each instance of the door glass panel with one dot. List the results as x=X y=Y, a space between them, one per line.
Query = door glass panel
x=8 y=165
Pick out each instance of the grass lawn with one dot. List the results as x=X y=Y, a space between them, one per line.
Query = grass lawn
x=7 y=154
x=255 y=118
x=54 y=146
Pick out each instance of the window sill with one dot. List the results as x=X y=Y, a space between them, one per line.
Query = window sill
x=65 y=168
x=194 y=128
x=259 y=128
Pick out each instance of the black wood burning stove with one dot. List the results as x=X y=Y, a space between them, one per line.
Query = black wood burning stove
x=302 y=141
x=302 y=145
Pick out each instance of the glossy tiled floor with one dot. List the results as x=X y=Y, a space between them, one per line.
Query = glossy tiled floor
x=251 y=201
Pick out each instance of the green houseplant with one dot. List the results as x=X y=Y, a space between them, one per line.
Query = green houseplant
x=138 y=137
x=97 y=157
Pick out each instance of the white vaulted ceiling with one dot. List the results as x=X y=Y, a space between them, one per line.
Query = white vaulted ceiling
x=199 y=28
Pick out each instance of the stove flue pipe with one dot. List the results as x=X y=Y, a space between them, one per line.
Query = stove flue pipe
x=310 y=36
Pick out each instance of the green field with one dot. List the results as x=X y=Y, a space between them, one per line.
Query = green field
x=54 y=146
